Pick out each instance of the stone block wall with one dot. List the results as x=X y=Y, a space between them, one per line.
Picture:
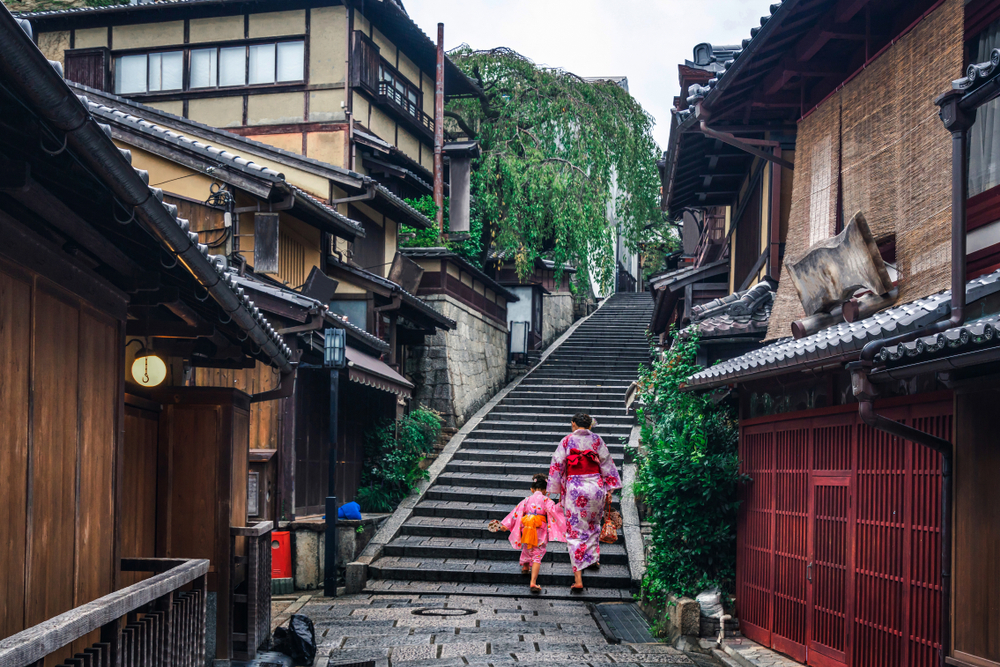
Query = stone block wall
x=557 y=315
x=456 y=372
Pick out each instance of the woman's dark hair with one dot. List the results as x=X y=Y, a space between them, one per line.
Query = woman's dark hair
x=539 y=482
x=582 y=420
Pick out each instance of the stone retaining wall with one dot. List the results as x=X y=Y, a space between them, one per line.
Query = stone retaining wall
x=456 y=372
x=557 y=315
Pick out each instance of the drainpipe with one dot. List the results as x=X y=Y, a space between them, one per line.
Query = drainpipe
x=957 y=120
x=439 y=131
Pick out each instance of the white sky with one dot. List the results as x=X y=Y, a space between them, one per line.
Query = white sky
x=644 y=40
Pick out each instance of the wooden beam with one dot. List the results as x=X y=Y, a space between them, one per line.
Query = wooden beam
x=50 y=208
x=162 y=329
x=14 y=175
x=847 y=9
x=792 y=67
x=828 y=28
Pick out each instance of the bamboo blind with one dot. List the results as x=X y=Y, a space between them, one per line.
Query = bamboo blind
x=878 y=145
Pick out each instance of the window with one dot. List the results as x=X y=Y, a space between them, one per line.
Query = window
x=399 y=89
x=149 y=72
x=258 y=64
x=984 y=137
x=216 y=67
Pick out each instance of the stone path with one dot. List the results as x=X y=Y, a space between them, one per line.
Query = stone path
x=450 y=630
x=444 y=546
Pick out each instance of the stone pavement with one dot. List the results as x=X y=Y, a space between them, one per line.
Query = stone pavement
x=451 y=630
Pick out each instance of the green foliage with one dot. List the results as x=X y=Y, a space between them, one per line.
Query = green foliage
x=560 y=156
x=663 y=241
x=471 y=249
x=688 y=478
x=393 y=451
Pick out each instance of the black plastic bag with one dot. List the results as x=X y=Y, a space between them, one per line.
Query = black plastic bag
x=297 y=641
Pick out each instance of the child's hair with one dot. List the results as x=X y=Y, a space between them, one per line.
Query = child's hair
x=539 y=482
x=582 y=419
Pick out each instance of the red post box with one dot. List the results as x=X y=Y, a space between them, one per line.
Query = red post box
x=281 y=555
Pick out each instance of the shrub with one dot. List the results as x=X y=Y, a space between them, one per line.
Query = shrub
x=393 y=451
x=688 y=478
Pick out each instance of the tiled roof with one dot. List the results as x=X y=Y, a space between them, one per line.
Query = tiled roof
x=444 y=253
x=342 y=175
x=410 y=299
x=980 y=333
x=685 y=275
x=217 y=154
x=739 y=313
x=307 y=303
x=842 y=340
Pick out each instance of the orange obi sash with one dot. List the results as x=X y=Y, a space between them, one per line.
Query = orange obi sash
x=582 y=462
x=530 y=523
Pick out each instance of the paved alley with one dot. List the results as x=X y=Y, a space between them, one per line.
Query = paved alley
x=454 y=630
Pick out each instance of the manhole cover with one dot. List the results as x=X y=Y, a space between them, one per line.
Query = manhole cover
x=437 y=611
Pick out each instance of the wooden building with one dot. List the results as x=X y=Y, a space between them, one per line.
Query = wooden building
x=343 y=82
x=545 y=302
x=863 y=537
x=107 y=455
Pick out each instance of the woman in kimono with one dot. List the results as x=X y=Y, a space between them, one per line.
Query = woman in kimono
x=583 y=474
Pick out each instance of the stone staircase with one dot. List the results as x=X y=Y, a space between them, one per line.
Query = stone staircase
x=445 y=541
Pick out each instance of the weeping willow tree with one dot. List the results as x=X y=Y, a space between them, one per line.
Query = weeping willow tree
x=564 y=162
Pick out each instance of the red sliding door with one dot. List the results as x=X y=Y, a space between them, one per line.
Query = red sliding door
x=839 y=538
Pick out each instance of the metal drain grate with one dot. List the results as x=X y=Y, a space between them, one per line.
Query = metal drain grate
x=623 y=622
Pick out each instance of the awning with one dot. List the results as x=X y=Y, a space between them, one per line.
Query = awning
x=367 y=370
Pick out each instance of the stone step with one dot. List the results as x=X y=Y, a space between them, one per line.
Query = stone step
x=540 y=446
x=487 y=484
x=538 y=461
x=489 y=507
x=549 y=412
x=449 y=528
x=569 y=385
x=493 y=572
x=537 y=438
x=491 y=548
x=522 y=470
x=502 y=423
x=461 y=496
x=563 y=402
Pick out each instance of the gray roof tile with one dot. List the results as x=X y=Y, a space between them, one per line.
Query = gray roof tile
x=850 y=337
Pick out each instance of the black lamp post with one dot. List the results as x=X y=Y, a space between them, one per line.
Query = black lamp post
x=334 y=358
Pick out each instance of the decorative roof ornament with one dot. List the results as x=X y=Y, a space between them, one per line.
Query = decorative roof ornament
x=977 y=74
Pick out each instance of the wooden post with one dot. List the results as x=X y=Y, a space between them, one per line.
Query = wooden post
x=439 y=131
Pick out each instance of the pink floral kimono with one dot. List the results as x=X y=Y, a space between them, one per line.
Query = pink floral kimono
x=534 y=522
x=582 y=495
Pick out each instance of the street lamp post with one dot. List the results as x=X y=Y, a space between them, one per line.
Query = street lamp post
x=334 y=358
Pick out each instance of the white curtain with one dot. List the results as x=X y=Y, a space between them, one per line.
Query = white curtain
x=291 y=59
x=130 y=74
x=204 y=68
x=232 y=66
x=262 y=63
x=166 y=71
x=984 y=137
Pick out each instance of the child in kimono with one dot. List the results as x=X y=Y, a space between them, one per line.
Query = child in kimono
x=534 y=522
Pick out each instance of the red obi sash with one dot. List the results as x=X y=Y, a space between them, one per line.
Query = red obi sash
x=582 y=462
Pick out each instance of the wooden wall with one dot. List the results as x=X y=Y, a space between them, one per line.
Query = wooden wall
x=60 y=372
x=265 y=416
x=138 y=514
x=976 y=557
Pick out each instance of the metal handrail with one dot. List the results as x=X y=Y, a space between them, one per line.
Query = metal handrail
x=38 y=641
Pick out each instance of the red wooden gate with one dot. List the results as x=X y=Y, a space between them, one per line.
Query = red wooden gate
x=839 y=537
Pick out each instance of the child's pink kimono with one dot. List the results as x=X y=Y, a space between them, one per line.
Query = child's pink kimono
x=534 y=522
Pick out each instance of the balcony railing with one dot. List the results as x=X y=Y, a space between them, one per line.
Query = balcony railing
x=158 y=621
x=398 y=101
x=252 y=593
x=712 y=244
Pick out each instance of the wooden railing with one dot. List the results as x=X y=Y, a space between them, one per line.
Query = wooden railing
x=712 y=245
x=252 y=591
x=158 y=621
x=395 y=98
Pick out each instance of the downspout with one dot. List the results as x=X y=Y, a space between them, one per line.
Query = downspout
x=957 y=120
x=42 y=86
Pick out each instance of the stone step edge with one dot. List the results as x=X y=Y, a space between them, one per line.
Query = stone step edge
x=428 y=588
x=357 y=574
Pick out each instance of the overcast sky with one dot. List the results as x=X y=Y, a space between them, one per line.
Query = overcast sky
x=644 y=40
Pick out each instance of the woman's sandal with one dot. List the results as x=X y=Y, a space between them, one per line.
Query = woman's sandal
x=536 y=590
x=576 y=589
x=525 y=570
